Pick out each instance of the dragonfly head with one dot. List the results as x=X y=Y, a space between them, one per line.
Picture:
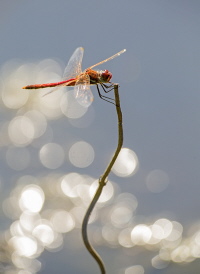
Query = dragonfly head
x=106 y=75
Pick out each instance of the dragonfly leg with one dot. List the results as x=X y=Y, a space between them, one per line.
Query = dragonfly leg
x=106 y=88
x=105 y=98
x=110 y=87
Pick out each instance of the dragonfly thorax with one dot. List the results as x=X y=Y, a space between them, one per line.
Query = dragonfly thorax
x=98 y=76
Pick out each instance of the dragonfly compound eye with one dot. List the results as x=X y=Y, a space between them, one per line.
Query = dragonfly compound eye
x=106 y=75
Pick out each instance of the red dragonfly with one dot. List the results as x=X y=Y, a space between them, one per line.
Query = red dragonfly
x=73 y=76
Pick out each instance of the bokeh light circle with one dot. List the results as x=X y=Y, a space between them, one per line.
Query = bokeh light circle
x=52 y=155
x=13 y=96
x=38 y=121
x=157 y=181
x=135 y=269
x=21 y=131
x=62 y=221
x=32 y=198
x=44 y=233
x=141 y=234
x=70 y=107
x=24 y=245
x=126 y=163
x=81 y=154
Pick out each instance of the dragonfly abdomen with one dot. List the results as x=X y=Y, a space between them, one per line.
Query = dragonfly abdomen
x=70 y=82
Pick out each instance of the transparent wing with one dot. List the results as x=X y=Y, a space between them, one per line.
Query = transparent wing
x=108 y=59
x=58 y=87
x=73 y=68
x=82 y=90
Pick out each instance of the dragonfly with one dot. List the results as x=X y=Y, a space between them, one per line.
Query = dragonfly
x=82 y=80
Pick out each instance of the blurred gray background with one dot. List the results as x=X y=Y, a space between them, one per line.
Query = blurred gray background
x=160 y=98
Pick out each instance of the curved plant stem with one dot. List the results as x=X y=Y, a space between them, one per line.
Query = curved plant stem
x=102 y=183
